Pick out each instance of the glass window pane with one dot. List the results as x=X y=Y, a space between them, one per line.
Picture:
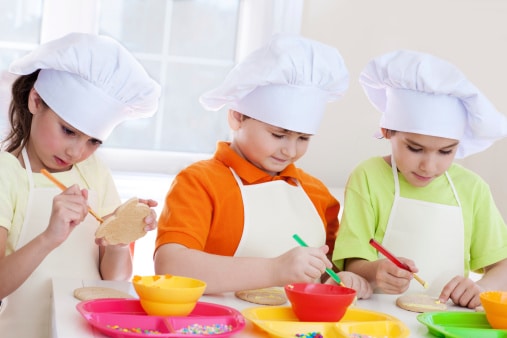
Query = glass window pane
x=6 y=80
x=186 y=45
x=20 y=20
x=20 y=27
x=138 y=24
x=186 y=125
x=204 y=28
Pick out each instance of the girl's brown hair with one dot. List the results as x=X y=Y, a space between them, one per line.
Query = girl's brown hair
x=20 y=117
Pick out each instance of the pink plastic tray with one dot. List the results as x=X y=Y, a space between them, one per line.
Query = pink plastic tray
x=108 y=315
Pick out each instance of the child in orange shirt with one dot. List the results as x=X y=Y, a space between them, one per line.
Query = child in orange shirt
x=235 y=214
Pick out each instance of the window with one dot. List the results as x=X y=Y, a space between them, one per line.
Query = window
x=188 y=46
x=20 y=24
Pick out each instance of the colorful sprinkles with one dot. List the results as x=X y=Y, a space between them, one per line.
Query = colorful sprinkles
x=133 y=330
x=309 y=335
x=205 y=329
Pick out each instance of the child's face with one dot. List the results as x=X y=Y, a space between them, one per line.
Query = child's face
x=269 y=148
x=53 y=143
x=422 y=158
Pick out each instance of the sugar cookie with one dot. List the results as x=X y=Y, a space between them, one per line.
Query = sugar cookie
x=95 y=292
x=266 y=296
x=126 y=225
x=420 y=303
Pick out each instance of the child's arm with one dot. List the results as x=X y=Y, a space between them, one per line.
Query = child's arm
x=225 y=273
x=495 y=276
x=465 y=292
x=116 y=260
x=69 y=210
x=18 y=266
x=383 y=273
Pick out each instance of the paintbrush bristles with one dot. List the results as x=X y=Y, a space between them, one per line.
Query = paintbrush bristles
x=422 y=282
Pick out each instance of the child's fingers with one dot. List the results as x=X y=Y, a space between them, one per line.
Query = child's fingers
x=395 y=271
x=448 y=289
x=410 y=263
x=324 y=249
x=312 y=259
x=150 y=227
x=84 y=192
x=390 y=278
x=101 y=242
x=151 y=221
x=73 y=190
x=462 y=291
x=358 y=283
x=149 y=202
x=71 y=200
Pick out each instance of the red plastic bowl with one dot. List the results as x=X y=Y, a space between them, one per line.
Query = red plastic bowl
x=312 y=302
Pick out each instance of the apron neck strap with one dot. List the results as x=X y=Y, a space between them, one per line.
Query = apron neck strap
x=394 y=169
x=28 y=167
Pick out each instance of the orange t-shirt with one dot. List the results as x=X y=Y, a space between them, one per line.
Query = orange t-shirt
x=203 y=209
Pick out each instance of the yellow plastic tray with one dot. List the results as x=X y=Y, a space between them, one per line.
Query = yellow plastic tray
x=280 y=321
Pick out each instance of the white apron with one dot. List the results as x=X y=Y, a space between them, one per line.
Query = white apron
x=273 y=212
x=28 y=310
x=430 y=234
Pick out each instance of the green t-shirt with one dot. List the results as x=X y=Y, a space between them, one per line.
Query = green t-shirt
x=369 y=195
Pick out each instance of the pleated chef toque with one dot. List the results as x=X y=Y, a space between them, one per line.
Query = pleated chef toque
x=92 y=82
x=286 y=83
x=420 y=93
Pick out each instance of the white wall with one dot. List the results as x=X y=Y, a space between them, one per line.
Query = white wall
x=472 y=34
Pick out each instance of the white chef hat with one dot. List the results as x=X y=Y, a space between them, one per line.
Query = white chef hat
x=420 y=93
x=92 y=82
x=286 y=83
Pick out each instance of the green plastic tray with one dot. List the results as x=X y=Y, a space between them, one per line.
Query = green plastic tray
x=459 y=325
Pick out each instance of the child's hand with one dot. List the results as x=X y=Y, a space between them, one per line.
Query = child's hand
x=462 y=291
x=151 y=219
x=392 y=279
x=302 y=265
x=69 y=209
x=356 y=282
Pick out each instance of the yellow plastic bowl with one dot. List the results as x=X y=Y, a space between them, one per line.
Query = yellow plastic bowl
x=495 y=307
x=167 y=309
x=166 y=295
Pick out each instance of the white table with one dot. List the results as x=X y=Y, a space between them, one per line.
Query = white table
x=67 y=322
